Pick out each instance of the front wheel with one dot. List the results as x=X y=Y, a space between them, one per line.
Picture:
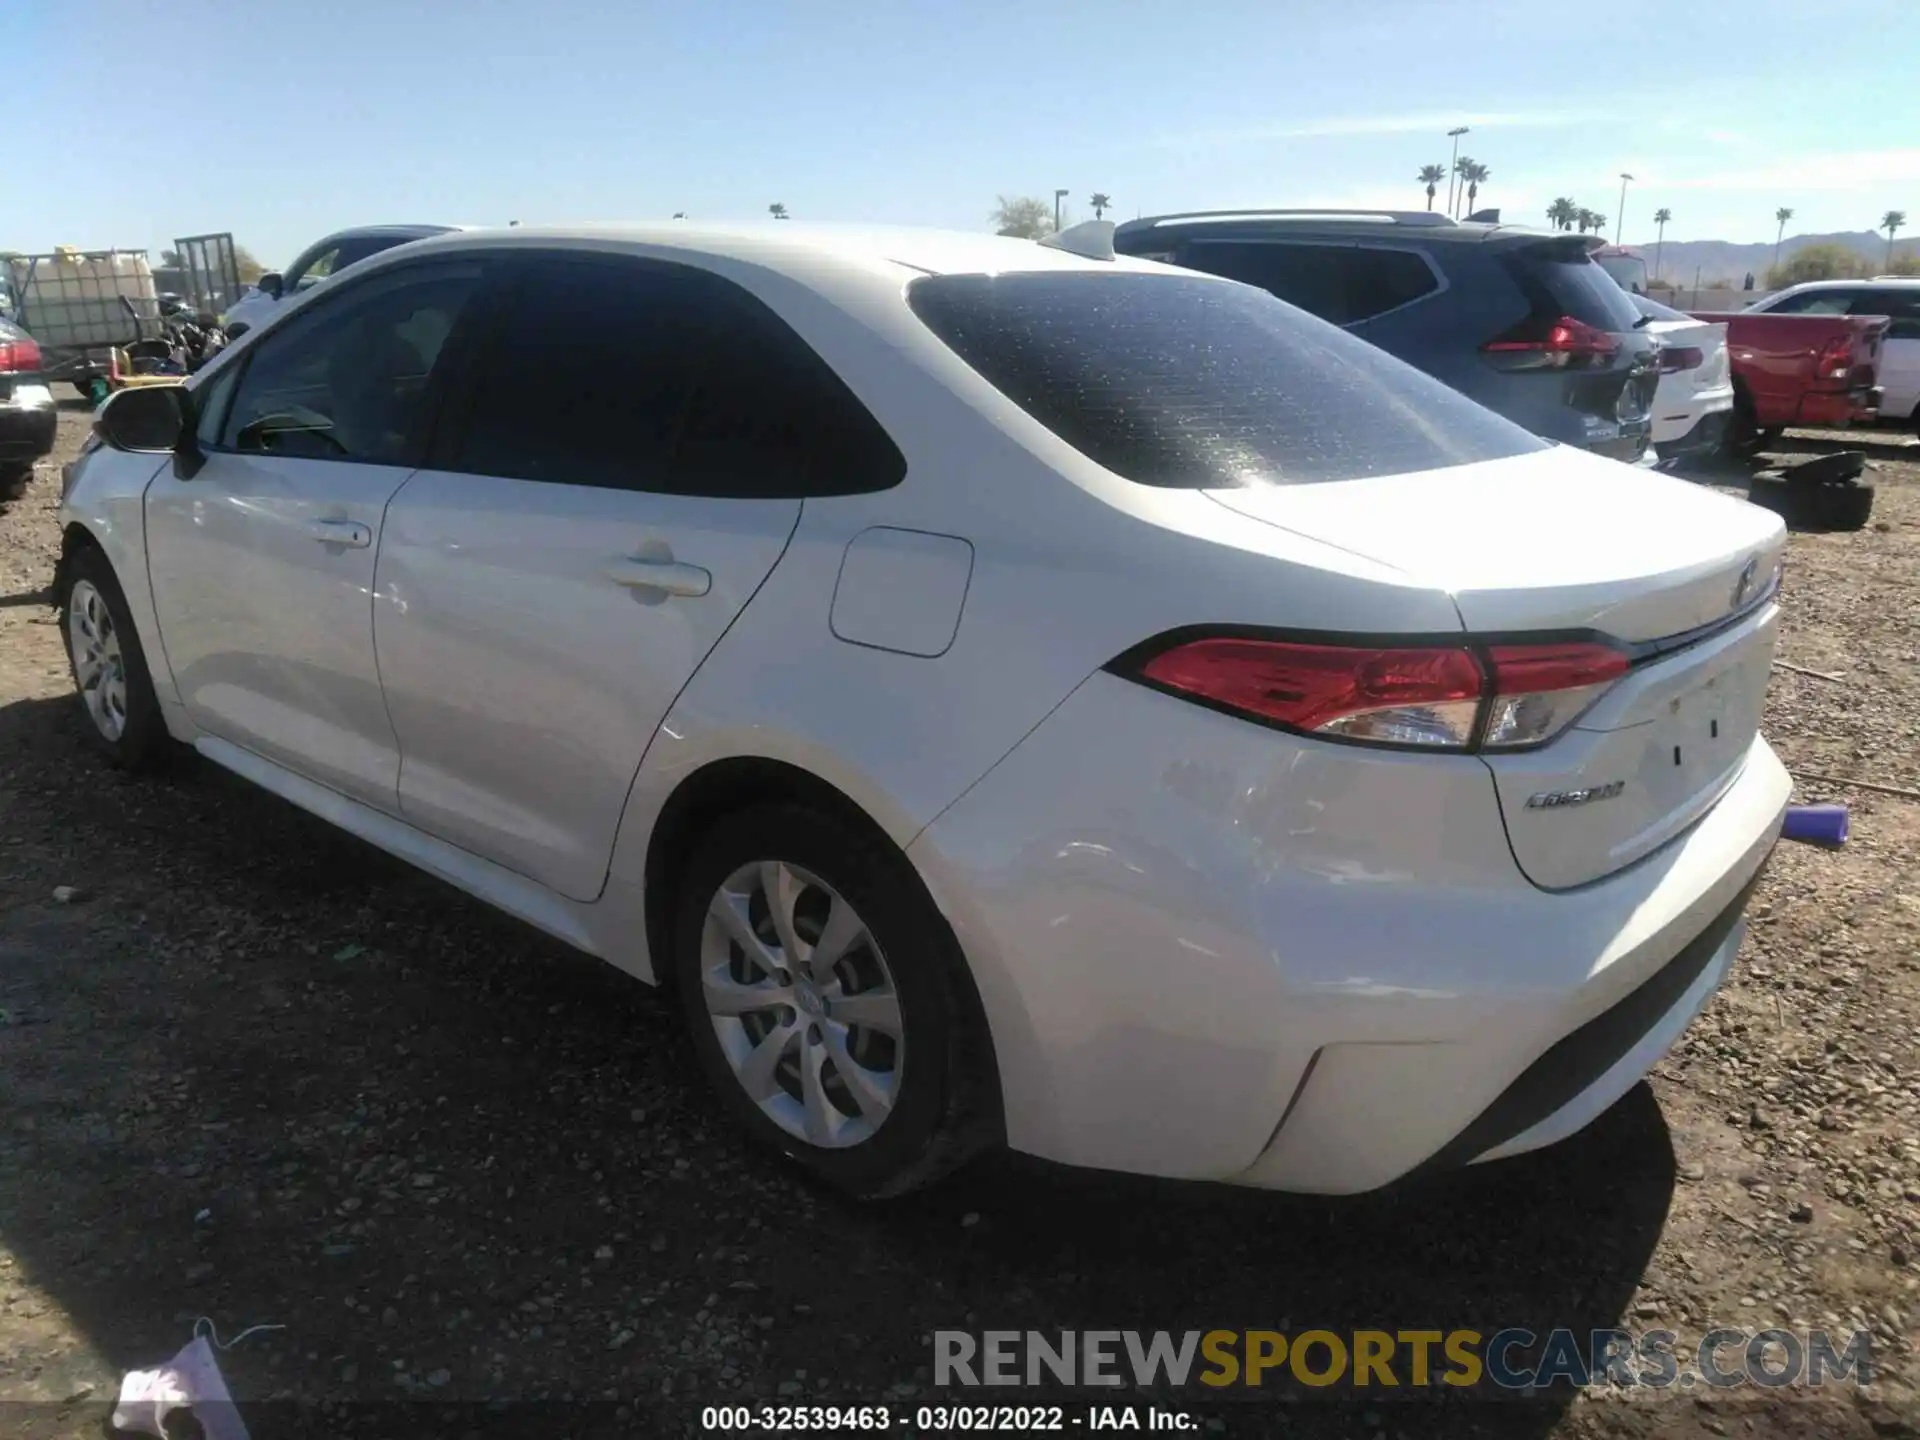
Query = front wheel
x=109 y=668
x=828 y=1001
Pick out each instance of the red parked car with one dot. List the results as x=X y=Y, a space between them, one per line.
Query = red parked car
x=1818 y=371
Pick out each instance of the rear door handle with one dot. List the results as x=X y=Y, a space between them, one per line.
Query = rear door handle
x=349 y=533
x=669 y=577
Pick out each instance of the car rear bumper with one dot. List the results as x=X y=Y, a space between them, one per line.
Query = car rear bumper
x=1707 y=433
x=1210 y=950
x=1837 y=409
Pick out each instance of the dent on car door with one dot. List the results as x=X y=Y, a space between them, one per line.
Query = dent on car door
x=622 y=475
x=261 y=547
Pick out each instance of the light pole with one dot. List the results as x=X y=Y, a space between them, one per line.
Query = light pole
x=1620 y=220
x=1453 y=160
x=1058 y=196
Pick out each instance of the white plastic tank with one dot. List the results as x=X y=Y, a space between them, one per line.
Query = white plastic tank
x=73 y=297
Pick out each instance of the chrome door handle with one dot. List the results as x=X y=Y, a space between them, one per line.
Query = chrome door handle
x=349 y=533
x=669 y=577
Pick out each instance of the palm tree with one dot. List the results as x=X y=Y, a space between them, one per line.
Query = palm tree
x=778 y=211
x=1782 y=216
x=1100 y=201
x=1890 y=222
x=1660 y=218
x=1562 y=212
x=1462 y=167
x=1431 y=176
x=1475 y=176
x=1583 y=219
x=1599 y=222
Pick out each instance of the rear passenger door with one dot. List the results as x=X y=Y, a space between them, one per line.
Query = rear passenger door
x=610 y=485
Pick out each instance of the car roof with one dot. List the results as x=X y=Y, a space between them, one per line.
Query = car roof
x=1886 y=281
x=399 y=233
x=1403 y=224
x=793 y=245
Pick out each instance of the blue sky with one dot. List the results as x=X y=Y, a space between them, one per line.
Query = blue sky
x=294 y=119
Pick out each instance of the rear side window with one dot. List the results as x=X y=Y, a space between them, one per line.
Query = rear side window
x=1345 y=284
x=1901 y=306
x=1185 y=382
x=1814 y=302
x=642 y=375
x=1568 y=280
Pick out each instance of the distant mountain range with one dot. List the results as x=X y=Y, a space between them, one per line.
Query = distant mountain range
x=1721 y=260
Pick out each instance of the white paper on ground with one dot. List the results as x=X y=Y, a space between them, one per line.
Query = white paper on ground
x=191 y=1380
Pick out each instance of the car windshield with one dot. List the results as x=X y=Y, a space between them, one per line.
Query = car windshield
x=1197 y=383
x=1628 y=271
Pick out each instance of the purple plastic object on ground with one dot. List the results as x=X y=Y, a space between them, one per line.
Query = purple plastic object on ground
x=1816 y=824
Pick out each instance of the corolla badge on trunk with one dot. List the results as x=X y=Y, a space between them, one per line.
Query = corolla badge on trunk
x=1743 y=587
x=1567 y=799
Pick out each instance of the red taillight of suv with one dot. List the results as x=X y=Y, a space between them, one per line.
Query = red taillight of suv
x=1430 y=697
x=1543 y=343
x=1681 y=357
x=17 y=356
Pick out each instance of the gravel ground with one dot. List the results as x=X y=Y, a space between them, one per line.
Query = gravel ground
x=254 y=1070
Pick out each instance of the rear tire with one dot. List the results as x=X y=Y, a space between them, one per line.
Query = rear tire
x=867 y=1066
x=1745 y=437
x=110 y=677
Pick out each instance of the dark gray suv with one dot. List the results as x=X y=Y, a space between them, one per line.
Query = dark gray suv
x=1524 y=321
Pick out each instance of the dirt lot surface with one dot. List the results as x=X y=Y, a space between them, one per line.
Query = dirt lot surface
x=255 y=1071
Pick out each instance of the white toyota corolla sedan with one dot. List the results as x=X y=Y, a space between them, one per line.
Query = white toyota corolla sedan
x=1006 y=692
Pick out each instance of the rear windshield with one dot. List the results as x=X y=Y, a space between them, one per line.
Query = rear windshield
x=1577 y=286
x=1195 y=383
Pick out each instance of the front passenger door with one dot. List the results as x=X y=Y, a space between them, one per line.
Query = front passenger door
x=262 y=557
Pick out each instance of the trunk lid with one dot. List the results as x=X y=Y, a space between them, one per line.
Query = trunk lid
x=1552 y=540
x=1559 y=541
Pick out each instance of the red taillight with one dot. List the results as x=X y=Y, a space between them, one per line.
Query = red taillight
x=19 y=355
x=1528 y=669
x=1541 y=342
x=1681 y=357
x=1835 y=360
x=1429 y=696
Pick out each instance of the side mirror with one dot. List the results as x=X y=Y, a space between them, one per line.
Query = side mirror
x=148 y=419
x=271 y=283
